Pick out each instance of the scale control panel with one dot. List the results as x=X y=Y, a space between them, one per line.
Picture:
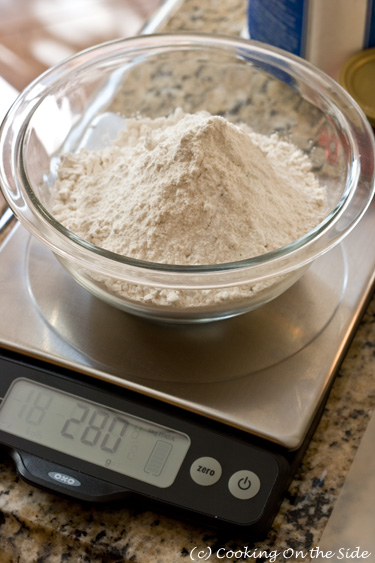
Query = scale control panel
x=95 y=442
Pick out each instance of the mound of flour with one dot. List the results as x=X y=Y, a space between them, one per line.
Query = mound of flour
x=189 y=189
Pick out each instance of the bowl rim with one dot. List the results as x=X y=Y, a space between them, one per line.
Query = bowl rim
x=356 y=197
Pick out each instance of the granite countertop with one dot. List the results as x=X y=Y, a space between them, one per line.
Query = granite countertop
x=36 y=526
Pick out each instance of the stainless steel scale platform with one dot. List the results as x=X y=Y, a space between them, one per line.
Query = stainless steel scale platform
x=265 y=372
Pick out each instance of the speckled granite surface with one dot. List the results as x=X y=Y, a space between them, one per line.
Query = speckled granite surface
x=36 y=526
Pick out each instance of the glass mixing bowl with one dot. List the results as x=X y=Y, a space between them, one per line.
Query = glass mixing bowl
x=83 y=101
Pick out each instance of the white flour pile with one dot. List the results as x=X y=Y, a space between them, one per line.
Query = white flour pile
x=188 y=189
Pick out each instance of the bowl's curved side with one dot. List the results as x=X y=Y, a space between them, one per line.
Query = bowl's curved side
x=245 y=81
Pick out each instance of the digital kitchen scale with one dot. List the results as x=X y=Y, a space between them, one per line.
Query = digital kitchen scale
x=205 y=422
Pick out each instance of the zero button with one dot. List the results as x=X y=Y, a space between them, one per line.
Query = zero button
x=205 y=471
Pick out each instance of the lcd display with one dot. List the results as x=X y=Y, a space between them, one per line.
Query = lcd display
x=94 y=433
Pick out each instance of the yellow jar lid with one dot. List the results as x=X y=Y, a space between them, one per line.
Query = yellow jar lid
x=358 y=78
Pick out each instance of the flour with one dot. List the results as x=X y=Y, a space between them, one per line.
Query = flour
x=188 y=189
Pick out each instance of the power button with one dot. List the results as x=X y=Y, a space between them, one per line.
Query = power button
x=244 y=484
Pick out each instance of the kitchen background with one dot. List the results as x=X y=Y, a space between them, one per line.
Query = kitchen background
x=36 y=34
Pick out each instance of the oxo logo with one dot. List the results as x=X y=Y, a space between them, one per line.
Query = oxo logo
x=64 y=479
